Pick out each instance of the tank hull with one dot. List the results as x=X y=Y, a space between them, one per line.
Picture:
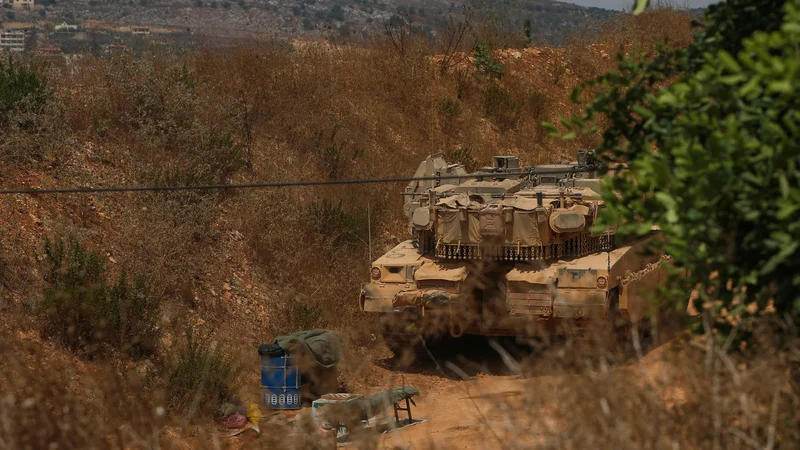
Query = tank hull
x=436 y=298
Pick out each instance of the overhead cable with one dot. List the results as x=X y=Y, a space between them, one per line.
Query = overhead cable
x=284 y=184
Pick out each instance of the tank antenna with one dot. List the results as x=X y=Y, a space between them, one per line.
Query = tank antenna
x=369 y=231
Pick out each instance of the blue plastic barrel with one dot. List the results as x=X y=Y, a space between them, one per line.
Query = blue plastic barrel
x=280 y=383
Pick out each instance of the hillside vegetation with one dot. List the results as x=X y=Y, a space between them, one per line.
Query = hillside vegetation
x=551 y=21
x=196 y=280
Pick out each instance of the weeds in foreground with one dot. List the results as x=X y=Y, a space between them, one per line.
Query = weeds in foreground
x=201 y=376
x=48 y=401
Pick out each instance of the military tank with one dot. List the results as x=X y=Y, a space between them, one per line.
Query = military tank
x=507 y=251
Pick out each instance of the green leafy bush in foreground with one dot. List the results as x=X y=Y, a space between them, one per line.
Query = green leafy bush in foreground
x=714 y=158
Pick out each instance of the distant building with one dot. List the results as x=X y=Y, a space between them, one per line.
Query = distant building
x=50 y=53
x=113 y=49
x=140 y=30
x=23 y=5
x=65 y=28
x=12 y=41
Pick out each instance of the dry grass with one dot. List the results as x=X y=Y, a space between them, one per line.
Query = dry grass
x=590 y=55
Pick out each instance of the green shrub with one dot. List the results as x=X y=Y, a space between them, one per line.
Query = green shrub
x=724 y=185
x=82 y=311
x=485 y=63
x=201 y=375
x=24 y=88
x=337 y=13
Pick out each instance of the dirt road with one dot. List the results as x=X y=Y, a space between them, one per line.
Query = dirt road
x=474 y=399
x=472 y=414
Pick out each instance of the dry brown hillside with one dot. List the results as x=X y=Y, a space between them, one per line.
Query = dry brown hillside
x=243 y=266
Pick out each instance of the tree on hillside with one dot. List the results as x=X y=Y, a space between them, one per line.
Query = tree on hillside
x=526 y=28
x=455 y=40
x=710 y=136
x=337 y=12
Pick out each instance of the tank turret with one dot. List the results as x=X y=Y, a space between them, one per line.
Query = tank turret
x=503 y=212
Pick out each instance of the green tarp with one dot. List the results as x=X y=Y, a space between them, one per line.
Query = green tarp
x=324 y=345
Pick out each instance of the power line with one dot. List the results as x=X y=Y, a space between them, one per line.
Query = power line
x=283 y=184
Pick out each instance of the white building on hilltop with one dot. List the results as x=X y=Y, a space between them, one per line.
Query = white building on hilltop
x=65 y=28
x=12 y=41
